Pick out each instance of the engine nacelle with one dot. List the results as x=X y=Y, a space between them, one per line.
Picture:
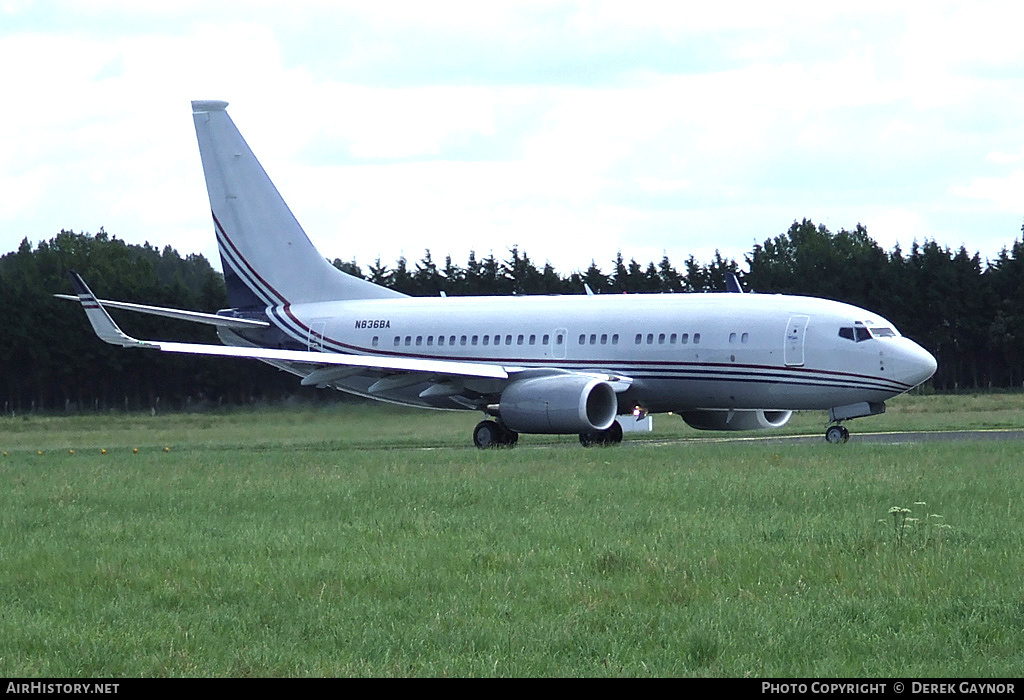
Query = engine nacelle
x=560 y=404
x=736 y=420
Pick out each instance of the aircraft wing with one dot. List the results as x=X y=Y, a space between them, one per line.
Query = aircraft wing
x=109 y=332
x=181 y=315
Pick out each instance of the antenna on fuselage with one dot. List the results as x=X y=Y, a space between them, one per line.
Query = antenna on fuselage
x=732 y=283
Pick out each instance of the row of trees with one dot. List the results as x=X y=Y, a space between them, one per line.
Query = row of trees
x=52 y=360
x=518 y=274
x=968 y=312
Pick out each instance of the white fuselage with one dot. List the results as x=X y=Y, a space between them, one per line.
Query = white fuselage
x=681 y=351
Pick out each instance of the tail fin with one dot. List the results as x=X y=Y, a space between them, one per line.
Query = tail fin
x=267 y=257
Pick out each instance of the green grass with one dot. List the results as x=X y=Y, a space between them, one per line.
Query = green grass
x=382 y=426
x=370 y=541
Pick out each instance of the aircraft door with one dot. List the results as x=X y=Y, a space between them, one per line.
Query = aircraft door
x=796 y=331
x=558 y=341
x=315 y=342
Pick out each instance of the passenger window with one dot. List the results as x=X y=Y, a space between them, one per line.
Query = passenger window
x=615 y=339
x=684 y=338
x=650 y=338
x=508 y=339
x=487 y=339
x=593 y=338
x=533 y=339
x=583 y=338
x=661 y=339
x=696 y=338
x=745 y=337
x=672 y=339
x=732 y=337
x=546 y=339
x=375 y=341
x=604 y=339
x=519 y=340
x=638 y=336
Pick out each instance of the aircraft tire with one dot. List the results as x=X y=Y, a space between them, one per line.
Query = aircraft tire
x=836 y=435
x=603 y=438
x=487 y=434
x=509 y=437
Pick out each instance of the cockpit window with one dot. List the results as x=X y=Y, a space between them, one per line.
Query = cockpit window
x=856 y=333
x=860 y=333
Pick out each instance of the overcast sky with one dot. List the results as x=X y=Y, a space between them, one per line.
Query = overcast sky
x=573 y=130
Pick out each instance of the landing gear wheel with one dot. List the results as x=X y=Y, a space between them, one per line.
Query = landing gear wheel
x=836 y=434
x=486 y=434
x=509 y=438
x=614 y=433
x=610 y=436
x=489 y=433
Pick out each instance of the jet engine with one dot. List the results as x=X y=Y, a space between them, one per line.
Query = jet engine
x=562 y=403
x=736 y=420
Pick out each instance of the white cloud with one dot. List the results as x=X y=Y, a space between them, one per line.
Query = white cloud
x=572 y=130
x=1003 y=192
x=1000 y=158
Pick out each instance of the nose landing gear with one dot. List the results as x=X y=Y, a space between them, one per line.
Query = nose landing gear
x=836 y=434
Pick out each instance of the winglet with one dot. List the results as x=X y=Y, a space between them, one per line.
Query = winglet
x=101 y=322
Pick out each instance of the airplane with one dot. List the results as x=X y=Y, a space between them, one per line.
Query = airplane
x=562 y=364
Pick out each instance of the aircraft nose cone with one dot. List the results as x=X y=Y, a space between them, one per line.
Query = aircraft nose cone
x=918 y=364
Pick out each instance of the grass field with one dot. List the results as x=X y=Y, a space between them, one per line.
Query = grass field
x=372 y=541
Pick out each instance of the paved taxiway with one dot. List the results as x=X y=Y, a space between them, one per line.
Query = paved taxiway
x=880 y=438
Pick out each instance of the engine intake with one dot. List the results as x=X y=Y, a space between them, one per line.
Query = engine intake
x=558 y=404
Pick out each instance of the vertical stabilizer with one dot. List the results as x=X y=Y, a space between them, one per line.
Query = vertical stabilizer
x=267 y=257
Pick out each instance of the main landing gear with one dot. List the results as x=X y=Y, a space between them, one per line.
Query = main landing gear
x=609 y=436
x=489 y=433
